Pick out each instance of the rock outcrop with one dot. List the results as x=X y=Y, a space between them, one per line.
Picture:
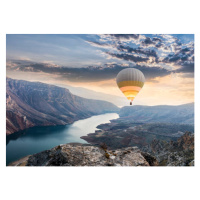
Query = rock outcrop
x=31 y=104
x=75 y=154
x=173 y=153
x=170 y=144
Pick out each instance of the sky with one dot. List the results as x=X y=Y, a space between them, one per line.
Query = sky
x=93 y=62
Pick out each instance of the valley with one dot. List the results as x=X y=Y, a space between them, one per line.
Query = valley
x=164 y=134
x=30 y=104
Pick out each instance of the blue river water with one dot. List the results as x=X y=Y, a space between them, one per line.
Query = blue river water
x=36 y=139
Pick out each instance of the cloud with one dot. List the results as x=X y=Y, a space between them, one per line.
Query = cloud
x=156 y=43
x=147 y=42
x=100 y=45
x=155 y=56
x=156 y=39
x=88 y=74
x=164 y=50
x=139 y=50
x=183 y=57
x=128 y=49
x=169 y=38
x=187 y=67
x=128 y=57
x=126 y=36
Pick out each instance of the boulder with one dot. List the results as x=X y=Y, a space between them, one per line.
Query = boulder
x=75 y=154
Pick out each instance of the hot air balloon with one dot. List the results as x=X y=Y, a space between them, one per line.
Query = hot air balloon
x=130 y=81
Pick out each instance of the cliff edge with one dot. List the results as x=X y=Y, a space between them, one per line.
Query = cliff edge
x=31 y=104
x=76 y=154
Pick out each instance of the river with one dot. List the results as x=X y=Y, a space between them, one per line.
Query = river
x=36 y=139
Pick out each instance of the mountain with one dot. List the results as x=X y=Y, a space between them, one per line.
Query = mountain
x=86 y=93
x=183 y=114
x=31 y=104
x=75 y=154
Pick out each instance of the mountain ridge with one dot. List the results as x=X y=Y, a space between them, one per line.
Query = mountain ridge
x=83 y=92
x=31 y=104
x=161 y=113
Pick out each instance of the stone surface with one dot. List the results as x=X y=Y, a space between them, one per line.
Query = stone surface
x=173 y=153
x=75 y=154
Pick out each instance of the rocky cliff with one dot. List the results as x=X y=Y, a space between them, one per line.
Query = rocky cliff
x=170 y=144
x=183 y=114
x=157 y=153
x=87 y=155
x=173 y=153
x=31 y=104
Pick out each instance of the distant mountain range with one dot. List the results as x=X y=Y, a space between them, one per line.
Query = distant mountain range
x=183 y=114
x=86 y=93
x=31 y=104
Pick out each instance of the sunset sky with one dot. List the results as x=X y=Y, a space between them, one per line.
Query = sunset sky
x=93 y=61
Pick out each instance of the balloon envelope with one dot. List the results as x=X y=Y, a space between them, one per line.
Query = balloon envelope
x=130 y=81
